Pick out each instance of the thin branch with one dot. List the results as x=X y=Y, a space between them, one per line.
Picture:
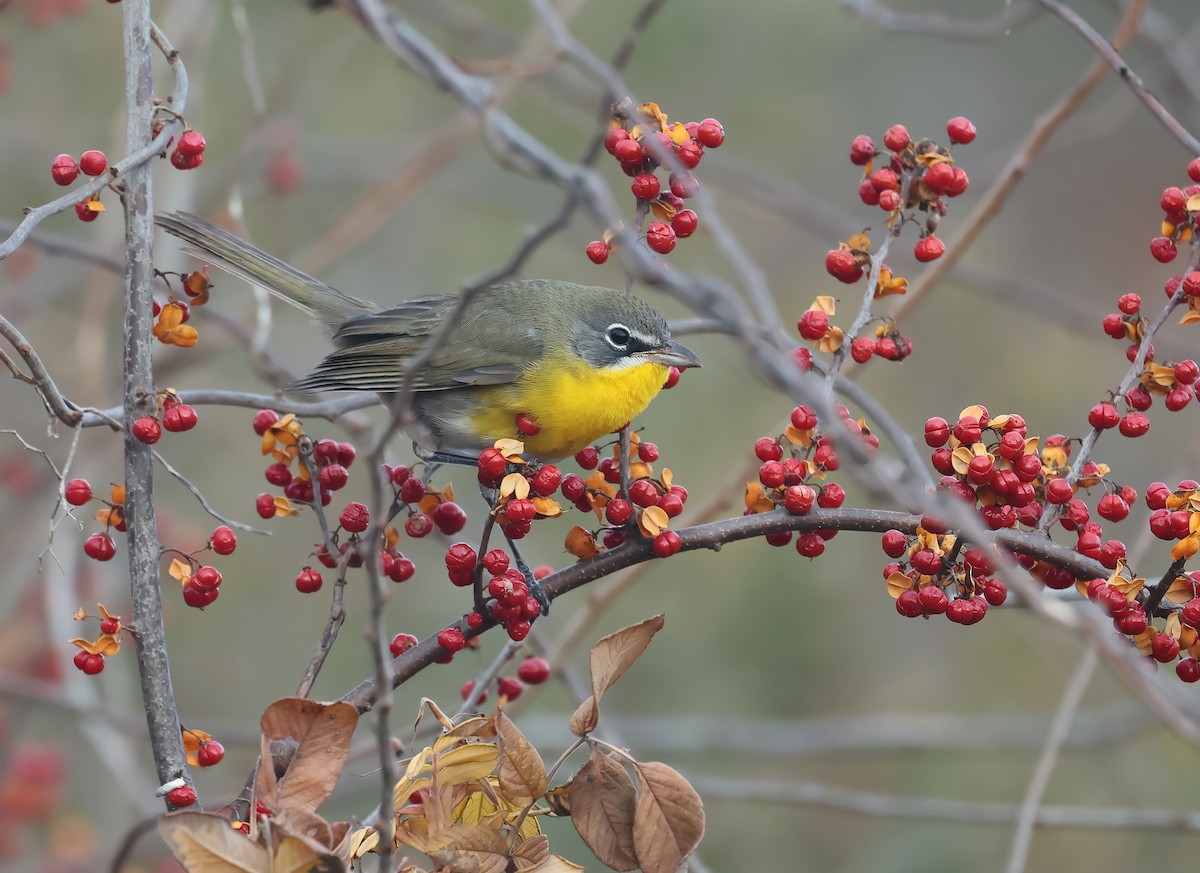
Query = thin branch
x=1057 y=735
x=945 y=26
x=1112 y=57
x=947 y=811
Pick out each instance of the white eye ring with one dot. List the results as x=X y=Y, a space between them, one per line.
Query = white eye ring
x=618 y=336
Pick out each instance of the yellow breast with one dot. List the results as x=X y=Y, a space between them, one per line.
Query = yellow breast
x=573 y=404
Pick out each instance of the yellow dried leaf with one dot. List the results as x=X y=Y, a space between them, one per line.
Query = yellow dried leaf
x=757 y=499
x=961 y=458
x=662 y=210
x=833 y=340
x=897 y=584
x=1143 y=640
x=467 y=763
x=667 y=478
x=1190 y=317
x=825 y=303
x=180 y=570
x=514 y=485
x=1181 y=590
x=653 y=521
x=284 y=508
x=510 y=449
x=580 y=543
x=797 y=437
x=362 y=841
x=859 y=242
x=640 y=470
x=1186 y=548
x=547 y=507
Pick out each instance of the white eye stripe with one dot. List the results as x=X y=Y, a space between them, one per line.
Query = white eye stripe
x=626 y=337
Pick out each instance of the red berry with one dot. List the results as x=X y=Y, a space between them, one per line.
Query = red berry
x=1104 y=416
x=223 y=541
x=862 y=348
x=179 y=418
x=896 y=138
x=85 y=211
x=401 y=643
x=841 y=264
x=895 y=543
x=418 y=525
x=449 y=518
x=355 y=517
x=1193 y=170
x=995 y=592
x=147 y=430
x=89 y=663
x=191 y=143
x=868 y=193
x=660 y=237
x=813 y=324
x=197 y=597
x=184 y=795
x=933 y=600
x=64 y=170
x=645 y=186
x=207 y=578
x=644 y=493
x=451 y=639
x=210 y=753
x=710 y=133
x=264 y=504
x=667 y=543
x=1164 y=648
x=929 y=249
x=612 y=136
x=100 y=547
x=1162 y=249
x=1188 y=669
x=1134 y=424
x=862 y=150
x=263 y=419
x=684 y=185
x=628 y=151
x=684 y=223
x=333 y=477
x=534 y=671
x=799 y=499
x=647 y=452
x=308 y=580
x=77 y=492
x=92 y=162
x=908 y=604
x=597 y=251
x=810 y=544
x=180 y=161
x=618 y=511
x=889 y=201
x=961 y=131
x=412 y=490
x=937 y=432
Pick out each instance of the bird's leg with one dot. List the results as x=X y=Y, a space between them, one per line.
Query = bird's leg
x=437 y=458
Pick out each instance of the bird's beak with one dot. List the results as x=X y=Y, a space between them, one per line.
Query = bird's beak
x=673 y=354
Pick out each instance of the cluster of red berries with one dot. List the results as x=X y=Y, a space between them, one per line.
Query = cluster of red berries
x=918 y=178
x=815 y=326
x=99 y=546
x=510 y=602
x=629 y=142
x=90 y=657
x=1173 y=381
x=177 y=417
x=189 y=151
x=532 y=671
x=201 y=583
x=281 y=437
x=792 y=474
x=1180 y=207
x=64 y=169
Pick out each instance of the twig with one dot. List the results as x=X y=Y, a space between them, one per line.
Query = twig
x=944 y=26
x=1111 y=55
x=1057 y=735
x=947 y=811
x=203 y=501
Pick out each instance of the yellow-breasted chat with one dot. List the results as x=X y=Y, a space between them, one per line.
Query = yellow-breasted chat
x=581 y=361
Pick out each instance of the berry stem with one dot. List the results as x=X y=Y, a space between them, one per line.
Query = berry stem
x=1156 y=594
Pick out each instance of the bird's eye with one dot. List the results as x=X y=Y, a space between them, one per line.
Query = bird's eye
x=617 y=336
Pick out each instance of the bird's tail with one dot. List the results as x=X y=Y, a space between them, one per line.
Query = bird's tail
x=222 y=249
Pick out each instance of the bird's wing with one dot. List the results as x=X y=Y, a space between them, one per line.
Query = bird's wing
x=374 y=349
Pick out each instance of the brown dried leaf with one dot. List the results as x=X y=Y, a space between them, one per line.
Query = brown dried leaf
x=532 y=852
x=584 y=718
x=322 y=733
x=669 y=820
x=554 y=864
x=603 y=805
x=294 y=855
x=469 y=849
x=205 y=843
x=615 y=653
x=522 y=774
x=580 y=543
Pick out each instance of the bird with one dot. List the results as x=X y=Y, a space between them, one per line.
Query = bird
x=577 y=362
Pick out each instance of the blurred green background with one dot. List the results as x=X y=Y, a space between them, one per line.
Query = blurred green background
x=771 y=668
